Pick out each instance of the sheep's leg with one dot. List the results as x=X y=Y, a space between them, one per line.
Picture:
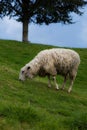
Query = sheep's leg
x=65 y=79
x=71 y=84
x=56 y=85
x=72 y=78
x=49 y=82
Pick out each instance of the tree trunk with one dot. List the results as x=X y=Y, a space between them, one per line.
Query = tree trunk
x=25 y=31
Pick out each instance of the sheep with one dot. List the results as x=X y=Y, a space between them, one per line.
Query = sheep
x=53 y=62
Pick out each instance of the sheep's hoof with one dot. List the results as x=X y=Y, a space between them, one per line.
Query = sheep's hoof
x=49 y=86
x=69 y=91
x=57 y=89
x=62 y=88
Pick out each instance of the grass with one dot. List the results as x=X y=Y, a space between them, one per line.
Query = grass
x=32 y=105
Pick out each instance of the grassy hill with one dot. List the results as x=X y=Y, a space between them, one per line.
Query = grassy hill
x=32 y=105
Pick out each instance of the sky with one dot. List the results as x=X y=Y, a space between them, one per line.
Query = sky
x=71 y=35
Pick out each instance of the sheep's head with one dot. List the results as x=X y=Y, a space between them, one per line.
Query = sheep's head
x=26 y=72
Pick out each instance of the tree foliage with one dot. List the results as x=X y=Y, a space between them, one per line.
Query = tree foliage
x=41 y=11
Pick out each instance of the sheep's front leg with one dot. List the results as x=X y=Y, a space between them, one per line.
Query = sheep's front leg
x=56 y=85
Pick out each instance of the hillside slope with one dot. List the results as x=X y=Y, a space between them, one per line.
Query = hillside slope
x=32 y=105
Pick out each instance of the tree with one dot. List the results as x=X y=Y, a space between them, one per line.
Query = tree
x=40 y=11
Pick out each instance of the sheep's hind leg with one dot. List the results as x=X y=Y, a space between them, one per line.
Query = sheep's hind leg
x=71 y=84
x=72 y=78
x=63 y=85
x=56 y=85
x=49 y=81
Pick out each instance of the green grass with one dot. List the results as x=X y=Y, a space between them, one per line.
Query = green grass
x=32 y=105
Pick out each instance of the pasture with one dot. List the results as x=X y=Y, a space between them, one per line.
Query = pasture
x=32 y=105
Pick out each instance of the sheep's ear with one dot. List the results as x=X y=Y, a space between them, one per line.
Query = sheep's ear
x=28 y=67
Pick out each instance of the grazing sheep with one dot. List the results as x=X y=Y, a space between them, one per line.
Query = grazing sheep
x=51 y=62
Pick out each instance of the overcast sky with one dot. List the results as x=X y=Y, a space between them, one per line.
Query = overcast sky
x=74 y=35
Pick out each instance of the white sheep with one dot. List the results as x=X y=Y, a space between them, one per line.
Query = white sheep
x=51 y=62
